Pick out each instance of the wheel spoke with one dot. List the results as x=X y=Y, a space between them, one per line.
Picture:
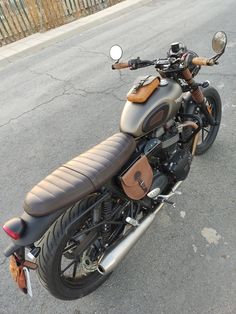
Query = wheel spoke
x=75 y=268
x=67 y=267
x=206 y=130
x=69 y=247
x=202 y=135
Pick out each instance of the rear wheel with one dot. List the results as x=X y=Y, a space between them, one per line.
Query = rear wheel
x=208 y=133
x=68 y=259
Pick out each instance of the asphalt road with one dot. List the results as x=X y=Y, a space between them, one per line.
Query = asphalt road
x=64 y=99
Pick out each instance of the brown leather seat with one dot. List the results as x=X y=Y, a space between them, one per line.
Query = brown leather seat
x=80 y=176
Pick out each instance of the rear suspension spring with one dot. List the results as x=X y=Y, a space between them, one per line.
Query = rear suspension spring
x=107 y=216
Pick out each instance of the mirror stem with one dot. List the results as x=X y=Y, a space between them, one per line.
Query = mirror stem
x=217 y=56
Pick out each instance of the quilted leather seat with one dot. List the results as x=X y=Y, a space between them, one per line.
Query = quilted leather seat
x=80 y=176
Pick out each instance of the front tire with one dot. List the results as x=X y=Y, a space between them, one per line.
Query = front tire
x=72 y=283
x=208 y=133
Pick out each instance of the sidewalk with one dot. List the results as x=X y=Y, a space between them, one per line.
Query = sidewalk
x=35 y=42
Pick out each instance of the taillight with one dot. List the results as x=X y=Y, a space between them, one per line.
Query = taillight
x=15 y=228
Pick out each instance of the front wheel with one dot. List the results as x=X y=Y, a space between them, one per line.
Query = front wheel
x=67 y=264
x=208 y=133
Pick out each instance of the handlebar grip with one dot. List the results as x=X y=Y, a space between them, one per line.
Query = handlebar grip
x=202 y=61
x=118 y=66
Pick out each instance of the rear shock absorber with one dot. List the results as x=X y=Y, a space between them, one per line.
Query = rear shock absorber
x=107 y=216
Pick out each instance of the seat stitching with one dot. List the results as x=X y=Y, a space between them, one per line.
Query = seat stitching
x=102 y=150
x=94 y=173
x=109 y=141
x=45 y=189
x=95 y=160
x=86 y=164
x=108 y=147
x=82 y=175
x=113 y=151
x=35 y=195
x=46 y=179
x=70 y=174
x=116 y=141
x=101 y=164
x=61 y=178
x=101 y=156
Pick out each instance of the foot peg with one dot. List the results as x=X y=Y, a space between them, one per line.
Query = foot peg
x=155 y=195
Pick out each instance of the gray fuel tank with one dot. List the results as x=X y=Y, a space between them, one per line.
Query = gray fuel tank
x=164 y=103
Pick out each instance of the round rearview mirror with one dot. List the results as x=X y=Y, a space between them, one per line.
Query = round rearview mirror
x=116 y=52
x=219 y=42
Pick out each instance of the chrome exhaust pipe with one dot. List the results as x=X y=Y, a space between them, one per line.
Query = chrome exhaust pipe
x=112 y=258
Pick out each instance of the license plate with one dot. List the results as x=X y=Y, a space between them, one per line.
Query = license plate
x=28 y=282
x=21 y=275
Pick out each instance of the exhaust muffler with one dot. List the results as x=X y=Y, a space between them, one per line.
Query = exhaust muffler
x=117 y=253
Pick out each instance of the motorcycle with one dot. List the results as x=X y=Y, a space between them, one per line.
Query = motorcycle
x=81 y=221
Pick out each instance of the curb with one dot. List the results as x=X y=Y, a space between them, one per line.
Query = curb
x=38 y=41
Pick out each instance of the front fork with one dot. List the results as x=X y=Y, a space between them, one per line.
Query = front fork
x=198 y=96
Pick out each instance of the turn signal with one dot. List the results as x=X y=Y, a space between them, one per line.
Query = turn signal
x=14 y=228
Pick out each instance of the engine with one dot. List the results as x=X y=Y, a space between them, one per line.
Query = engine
x=169 y=158
x=179 y=164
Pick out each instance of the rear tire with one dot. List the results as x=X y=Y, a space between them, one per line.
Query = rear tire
x=53 y=253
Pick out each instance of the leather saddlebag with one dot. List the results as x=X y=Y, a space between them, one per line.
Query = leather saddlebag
x=143 y=89
x=137 y=180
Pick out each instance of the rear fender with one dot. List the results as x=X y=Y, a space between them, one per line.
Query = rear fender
x=35 y=229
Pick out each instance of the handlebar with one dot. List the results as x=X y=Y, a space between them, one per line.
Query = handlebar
x=160 y=63
x=133 y=64
x=118 y=66
x=203 y=61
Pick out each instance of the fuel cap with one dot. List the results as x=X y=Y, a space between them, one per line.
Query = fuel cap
x=163 y=82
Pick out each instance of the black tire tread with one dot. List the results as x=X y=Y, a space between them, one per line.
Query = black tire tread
x=50 y=243
x=211 y=92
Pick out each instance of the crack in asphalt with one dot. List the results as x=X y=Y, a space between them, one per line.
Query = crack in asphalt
x=32 y=109
x=71 y=84
x=122 y=77
x=75 y=91
x=3 y=261
x=107 y=91
x=111 y=94
x=83 y=50
x=48 y=74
